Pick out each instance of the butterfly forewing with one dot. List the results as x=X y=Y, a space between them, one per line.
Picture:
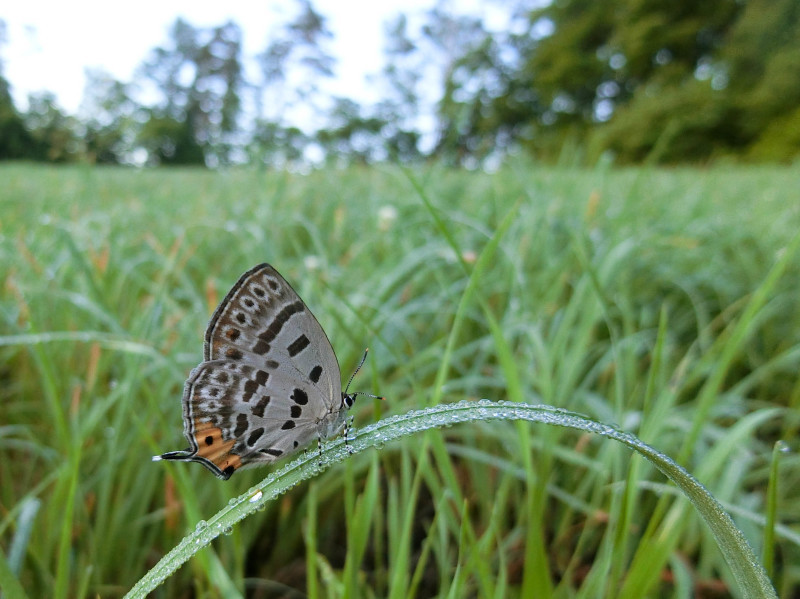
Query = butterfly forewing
x=262 y=318
x=269 y=383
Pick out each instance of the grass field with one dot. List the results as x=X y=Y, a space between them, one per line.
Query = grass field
x=663 y=302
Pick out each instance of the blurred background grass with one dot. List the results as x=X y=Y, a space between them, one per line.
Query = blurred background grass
x=639 y=297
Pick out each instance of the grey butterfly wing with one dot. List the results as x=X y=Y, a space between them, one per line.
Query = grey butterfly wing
x=237 y=414
x=261 y=319
x=269 y=383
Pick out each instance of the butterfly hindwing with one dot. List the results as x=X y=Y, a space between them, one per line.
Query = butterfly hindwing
x=236 y=414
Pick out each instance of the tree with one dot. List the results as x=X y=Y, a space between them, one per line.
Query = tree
x=728 y=89
x=109 y=118
x=199 y=77
x=400 y=80
x=15 y=140
x=53 y=132
x=456 y=41
x=297 y=48
x=277 y=144
x=351 y=136
x=761 y=61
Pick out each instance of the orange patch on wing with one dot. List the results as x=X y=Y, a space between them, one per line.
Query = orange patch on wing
x=212 y=447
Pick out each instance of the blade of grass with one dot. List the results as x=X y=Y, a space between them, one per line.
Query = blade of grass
x=9 y=584
x=753 y=580
x=768 y=550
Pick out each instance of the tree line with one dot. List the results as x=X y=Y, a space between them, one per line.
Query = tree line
x=635 y=80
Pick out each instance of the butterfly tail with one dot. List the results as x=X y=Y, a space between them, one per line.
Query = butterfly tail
x=182 y=456
x=222 y=465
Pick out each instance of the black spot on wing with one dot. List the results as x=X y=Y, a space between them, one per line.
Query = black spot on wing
x=241 y=425
x=300 y=397
x=253 y=437
x=315 y=373
x=298 y=345
x=258 y=409
x=296 y=411
x=289 y=424
x=250 y=387
x=281 y=318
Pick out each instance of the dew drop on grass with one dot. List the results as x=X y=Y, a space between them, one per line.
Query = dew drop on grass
x=256 y=496
x=201 y=526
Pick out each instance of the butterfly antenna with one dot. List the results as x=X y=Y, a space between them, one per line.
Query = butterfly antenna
x=352 y=376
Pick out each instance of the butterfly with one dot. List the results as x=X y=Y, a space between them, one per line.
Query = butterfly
x=269 y=382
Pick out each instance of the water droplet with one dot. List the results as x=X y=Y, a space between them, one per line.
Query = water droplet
x=201 y=526
x=256 y=496
x=227 y=531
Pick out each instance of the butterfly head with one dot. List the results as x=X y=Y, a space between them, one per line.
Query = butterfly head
x=348 y=399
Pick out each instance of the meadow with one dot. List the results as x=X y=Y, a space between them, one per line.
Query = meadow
x=663 y=302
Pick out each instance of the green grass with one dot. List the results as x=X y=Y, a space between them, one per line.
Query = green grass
x=665 y=302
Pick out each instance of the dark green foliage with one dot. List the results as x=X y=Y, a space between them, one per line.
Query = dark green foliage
x=16 y=141
x=736 y=94
x=53 y=132
x=170 y=141
x=674 y=81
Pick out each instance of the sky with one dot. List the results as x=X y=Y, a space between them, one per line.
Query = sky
x=49 y=44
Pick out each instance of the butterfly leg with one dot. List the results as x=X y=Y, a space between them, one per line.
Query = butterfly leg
x=348 y=434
